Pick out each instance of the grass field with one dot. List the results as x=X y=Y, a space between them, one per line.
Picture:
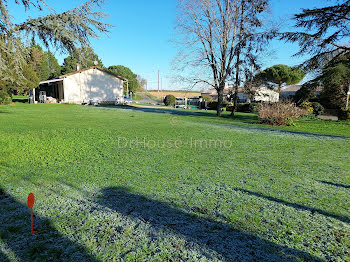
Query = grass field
x=19 y=97
x=114 y=184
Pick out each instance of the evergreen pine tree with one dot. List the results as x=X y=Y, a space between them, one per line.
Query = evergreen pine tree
x=325 y=34
x=85 y=57
x=62 y=31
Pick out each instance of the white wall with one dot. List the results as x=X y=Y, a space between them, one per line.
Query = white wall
x=266 y=95
x=92 y=84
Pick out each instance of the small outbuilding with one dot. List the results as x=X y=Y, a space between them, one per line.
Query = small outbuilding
x=82 y=86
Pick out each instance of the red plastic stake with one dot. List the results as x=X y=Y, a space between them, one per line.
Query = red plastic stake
x=30 y=202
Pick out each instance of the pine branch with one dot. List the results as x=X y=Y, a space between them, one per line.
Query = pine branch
x=329 y=26
x=67 y=30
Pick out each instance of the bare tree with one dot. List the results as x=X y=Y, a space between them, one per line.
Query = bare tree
x=214 y=34
x=142 y=82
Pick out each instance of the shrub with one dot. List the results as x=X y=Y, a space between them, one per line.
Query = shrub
x=5 y=98
x=308 y=107
x=282 y=113
x=317 y=108
x=344 y=114
x=253 y=108
x=169 y=100
x=310 y=117
x=212 y=105
x=229 y=107
x=244 y=107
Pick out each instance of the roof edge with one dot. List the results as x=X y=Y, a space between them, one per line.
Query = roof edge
x=94 y=67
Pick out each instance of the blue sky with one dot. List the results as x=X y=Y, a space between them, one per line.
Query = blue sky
x=143 y=29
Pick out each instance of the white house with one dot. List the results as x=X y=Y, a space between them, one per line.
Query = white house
x=89 y=84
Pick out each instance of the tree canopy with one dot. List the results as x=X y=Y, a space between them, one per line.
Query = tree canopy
x=335 y=80
x=85 y=57
x=62 y=31
x=281 y=75
x=53 y=66
x=38 y=59
x=126 y=72
x=16 y=77
x=325 y=34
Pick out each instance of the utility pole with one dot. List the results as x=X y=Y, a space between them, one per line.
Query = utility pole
x=158 y=81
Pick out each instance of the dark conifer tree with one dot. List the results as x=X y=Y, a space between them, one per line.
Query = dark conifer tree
x=325 y=34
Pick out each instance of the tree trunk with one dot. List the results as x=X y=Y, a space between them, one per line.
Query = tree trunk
x=220 y=99
x=347 y=98
x=235 y=101
x=235 y=97
x=279 y=88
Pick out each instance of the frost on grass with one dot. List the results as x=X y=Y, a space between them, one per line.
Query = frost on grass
x=114 y=223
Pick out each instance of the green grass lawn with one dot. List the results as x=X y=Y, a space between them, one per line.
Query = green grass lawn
x=114 y=184
x=19 y=97
x=314 y=126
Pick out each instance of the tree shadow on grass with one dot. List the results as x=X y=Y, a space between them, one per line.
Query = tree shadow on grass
x=171 y=111
x=20 y=100
x=333 y=184
x=294 y=205
x=246 y=118
x=47 y=245
x=231 y=244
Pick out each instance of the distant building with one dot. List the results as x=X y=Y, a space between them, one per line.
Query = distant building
x=260 y=94
x=290 y=91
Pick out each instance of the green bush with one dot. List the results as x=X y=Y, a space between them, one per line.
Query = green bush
x=310 y=117
x=317 y=108
x=244 y=107
x=229 y=107
x=169 y=100
x=213 y=105
x=344 y=114
x=307 y=106
x=5 y=98
x=253 y=108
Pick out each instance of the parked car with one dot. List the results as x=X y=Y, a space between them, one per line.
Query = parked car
x=91 y=102
x=127 y=100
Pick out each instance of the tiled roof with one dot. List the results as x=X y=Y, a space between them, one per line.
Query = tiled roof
x=295 y=88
